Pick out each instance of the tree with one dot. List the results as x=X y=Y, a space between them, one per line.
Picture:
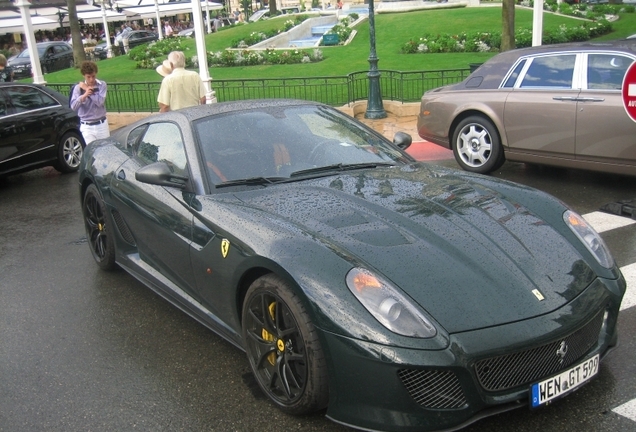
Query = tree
x=508 y=25
x=273 y=8
x=76 y=37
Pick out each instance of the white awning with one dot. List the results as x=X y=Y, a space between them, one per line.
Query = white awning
x=48 y=19
x=147 y=9
x=16 y=25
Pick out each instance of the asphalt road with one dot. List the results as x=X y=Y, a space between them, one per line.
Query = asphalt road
x=86 y=350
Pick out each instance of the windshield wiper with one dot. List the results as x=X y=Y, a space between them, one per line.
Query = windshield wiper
x=252 y=181
x=339 y=167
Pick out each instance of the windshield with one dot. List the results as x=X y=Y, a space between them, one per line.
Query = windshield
x=25 y=53
x=289 y=142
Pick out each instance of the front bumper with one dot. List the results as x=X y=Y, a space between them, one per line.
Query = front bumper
x=19 y=73
x=382 y=388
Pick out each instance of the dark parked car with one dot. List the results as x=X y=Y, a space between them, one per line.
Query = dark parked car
x=133 y=39
x=397 y=295
x=37 y=128
x=553 y=104
x=136 y=38
x=54 y=56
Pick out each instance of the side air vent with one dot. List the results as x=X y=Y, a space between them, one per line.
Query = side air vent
x=123 y=228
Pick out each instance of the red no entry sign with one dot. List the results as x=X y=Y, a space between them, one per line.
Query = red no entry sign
x=629 y=91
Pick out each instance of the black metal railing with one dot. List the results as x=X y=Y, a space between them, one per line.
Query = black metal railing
x=334 y=90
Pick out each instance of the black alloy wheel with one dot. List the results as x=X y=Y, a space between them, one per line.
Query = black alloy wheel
x=98 y=231
x=283 y=348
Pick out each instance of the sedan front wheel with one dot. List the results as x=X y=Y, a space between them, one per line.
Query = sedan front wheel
x=476 y=145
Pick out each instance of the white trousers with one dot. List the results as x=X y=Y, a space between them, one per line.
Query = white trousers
x=93 y=132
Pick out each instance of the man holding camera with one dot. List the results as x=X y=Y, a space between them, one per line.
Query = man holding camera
x=88 y=98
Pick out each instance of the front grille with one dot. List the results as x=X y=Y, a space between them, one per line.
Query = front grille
x=525 y=367
x=123 y=228
x=438 y=389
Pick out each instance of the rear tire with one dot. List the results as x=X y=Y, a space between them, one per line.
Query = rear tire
x=283 y=348
x=476 y=145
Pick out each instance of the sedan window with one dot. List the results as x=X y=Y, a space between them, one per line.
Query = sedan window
x=512 y=78
x=25 y=98
x=550 y=71
x=606 y=71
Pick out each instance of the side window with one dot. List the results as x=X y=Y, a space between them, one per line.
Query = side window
x=606 y=71
x=25 y=98
x=162 y=142
x=550 y=71
x=133 y=138
x=512 y=79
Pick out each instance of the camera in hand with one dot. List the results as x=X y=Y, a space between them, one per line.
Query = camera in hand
x=95 y=90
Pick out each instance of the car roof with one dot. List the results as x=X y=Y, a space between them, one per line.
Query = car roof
x=201 y=111
x=492 y=71
x=44 y=44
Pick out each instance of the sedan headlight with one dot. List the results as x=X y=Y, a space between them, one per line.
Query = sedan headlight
x=390 y=307
x=590 y=238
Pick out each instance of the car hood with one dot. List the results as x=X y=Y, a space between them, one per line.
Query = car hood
x=469 y=256
x=19 y=61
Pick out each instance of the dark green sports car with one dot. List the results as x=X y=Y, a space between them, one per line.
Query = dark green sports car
x=398 y=296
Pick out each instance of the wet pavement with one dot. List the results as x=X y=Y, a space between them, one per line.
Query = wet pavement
x=86 y=350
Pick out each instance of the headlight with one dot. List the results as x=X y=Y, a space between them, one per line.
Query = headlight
x=390 y=307
x=590 y=238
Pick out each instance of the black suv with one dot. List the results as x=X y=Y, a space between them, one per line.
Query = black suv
x=54 y=56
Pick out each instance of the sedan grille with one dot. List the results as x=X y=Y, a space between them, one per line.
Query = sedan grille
x=525 y=367
x=437 y=389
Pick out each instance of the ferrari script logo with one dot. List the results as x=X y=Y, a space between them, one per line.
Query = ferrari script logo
x=225 y=247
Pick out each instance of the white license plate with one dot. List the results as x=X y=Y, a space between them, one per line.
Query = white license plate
x=543 y=392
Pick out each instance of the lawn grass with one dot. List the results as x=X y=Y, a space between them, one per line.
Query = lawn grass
x=392 y=31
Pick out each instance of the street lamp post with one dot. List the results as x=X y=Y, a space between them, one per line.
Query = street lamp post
x=375 y=110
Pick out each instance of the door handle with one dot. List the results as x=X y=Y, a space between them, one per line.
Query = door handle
x=591 y=99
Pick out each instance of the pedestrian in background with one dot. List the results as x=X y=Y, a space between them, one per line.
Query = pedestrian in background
x=180 y=88
x=6 y=73
x=88 y=99
x=167 y=29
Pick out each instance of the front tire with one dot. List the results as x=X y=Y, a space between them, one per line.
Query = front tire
x=69 y=152
x=476 y=145
x=98 y=230
x=283 y=348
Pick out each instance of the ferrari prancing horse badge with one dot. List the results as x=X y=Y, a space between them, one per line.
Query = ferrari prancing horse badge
x=225 y=247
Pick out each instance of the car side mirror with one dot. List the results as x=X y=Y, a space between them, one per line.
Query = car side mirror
x=159 y=174
x=402 y=140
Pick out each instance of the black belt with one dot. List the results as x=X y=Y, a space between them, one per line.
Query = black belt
x=96 y=122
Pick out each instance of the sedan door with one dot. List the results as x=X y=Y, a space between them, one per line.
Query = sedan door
x=159 y=217
x=540 y=112
x=32 y=138
x=604 y=131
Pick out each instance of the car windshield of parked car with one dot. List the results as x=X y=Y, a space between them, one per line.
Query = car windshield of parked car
x=281 y=142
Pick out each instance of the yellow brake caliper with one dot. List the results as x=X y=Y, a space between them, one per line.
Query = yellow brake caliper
x=271 y=358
